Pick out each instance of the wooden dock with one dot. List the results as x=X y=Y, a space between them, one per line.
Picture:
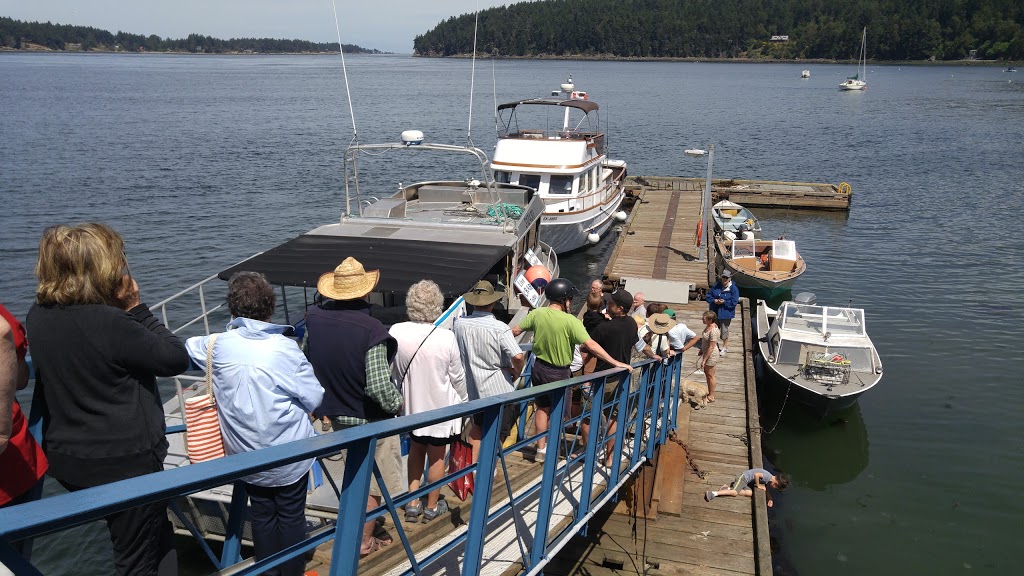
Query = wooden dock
x=658 y=239
x=757 y=193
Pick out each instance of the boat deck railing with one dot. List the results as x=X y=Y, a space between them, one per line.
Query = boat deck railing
x=646 y=402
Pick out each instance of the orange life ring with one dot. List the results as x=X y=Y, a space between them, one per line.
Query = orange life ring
x=700 y=232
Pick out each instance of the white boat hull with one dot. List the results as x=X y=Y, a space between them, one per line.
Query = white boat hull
x=568 y=232
x=853 y=85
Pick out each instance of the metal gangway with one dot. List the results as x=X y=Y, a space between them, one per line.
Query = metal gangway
x=525 y=527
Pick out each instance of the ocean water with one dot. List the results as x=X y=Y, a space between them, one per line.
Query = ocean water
x=202 y=161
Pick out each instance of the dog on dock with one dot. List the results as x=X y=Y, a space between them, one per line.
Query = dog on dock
x=696 y=393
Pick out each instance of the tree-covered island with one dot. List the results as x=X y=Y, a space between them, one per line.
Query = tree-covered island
x=802 y=29
x=18 y=35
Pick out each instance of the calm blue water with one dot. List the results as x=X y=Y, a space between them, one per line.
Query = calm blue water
x=201 y=161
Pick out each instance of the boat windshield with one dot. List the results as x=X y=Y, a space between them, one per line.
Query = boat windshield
x=822 y=320
x=784 y=249
x=744 y=248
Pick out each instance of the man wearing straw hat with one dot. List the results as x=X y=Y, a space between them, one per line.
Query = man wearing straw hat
x=680 y=337
x=490 y=354
x=351 y=354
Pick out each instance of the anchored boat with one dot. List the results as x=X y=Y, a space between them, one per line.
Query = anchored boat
x=820 y=356
x=859 y=80
x=568 y=166
x=731 y=217
x=769 y=265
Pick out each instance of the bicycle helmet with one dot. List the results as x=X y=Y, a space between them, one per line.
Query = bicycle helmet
x=560 y=290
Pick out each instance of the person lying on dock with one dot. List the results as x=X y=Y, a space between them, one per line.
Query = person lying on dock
x=747 y=481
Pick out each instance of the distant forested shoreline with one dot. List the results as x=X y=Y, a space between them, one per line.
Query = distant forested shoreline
x=18 y=35
x=898 y=30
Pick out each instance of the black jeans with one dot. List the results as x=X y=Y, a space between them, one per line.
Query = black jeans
x=278 y=518
x=143 y=540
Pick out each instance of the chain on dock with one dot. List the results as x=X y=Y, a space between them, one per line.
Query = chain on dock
x=689 y=459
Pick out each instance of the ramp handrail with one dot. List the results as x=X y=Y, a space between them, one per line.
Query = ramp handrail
x=650 y=409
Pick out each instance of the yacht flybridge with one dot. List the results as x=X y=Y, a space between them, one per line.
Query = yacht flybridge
x=563 y=157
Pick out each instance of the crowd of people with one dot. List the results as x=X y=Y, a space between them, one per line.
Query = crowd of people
x=98 y=351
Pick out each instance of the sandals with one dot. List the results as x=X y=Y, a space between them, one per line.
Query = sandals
x=382 y=536
x=374 y=545
x=428 y=514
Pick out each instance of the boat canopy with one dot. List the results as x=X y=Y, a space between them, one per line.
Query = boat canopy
x=585 y=105
x=455 y=267
x=822 y=320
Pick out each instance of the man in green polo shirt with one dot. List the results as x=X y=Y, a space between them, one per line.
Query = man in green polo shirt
x=555 y=332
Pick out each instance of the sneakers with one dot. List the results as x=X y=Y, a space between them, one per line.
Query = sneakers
x=708 y=496
x=412 y=512
x=540 y=454
x=441 y=508
x=723 y=351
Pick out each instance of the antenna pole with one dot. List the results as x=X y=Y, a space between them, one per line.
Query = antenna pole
x=341 y=50
x=472 y=78
x=494 y=89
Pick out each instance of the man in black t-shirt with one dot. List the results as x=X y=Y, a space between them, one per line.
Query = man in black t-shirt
x=617 y=336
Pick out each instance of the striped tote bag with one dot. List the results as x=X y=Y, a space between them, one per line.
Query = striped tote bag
x=202 y=427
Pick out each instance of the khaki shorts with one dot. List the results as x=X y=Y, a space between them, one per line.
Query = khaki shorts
x=387 y=455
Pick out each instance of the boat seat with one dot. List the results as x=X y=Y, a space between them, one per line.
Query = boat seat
x=782 y=265
x=386 y=208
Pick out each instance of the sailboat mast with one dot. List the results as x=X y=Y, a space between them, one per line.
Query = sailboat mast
x=864 y=54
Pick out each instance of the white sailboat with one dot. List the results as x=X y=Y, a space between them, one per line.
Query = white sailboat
x=859 y=80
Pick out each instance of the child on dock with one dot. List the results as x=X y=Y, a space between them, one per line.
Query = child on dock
x=745 y=482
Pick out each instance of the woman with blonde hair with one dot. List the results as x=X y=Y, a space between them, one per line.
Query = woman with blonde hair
x=429 y=371
x=708 y=358
x=98 y=351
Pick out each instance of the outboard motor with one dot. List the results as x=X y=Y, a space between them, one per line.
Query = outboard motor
x=744 y=233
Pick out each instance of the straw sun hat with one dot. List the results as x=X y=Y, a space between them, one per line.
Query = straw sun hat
x=660 y=323
x=348 y=281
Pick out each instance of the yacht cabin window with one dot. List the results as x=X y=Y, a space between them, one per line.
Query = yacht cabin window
x=502 y=177
x=560 y=184
x=531 y=180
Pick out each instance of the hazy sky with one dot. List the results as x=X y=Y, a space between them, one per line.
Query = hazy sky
x=388 y=25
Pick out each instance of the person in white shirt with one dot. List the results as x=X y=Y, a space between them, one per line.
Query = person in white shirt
x=428 y=369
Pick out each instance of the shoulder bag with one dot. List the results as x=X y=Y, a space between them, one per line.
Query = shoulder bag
x=202 y=425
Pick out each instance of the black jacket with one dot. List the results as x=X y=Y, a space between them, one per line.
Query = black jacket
x=96 y=369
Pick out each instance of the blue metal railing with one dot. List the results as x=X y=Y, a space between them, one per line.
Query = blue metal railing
x=646 y=403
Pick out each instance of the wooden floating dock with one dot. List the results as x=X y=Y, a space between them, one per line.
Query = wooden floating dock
x=756 y=193
x=658 y=240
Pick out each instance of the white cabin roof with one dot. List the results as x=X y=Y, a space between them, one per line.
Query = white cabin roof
x=547 y=154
